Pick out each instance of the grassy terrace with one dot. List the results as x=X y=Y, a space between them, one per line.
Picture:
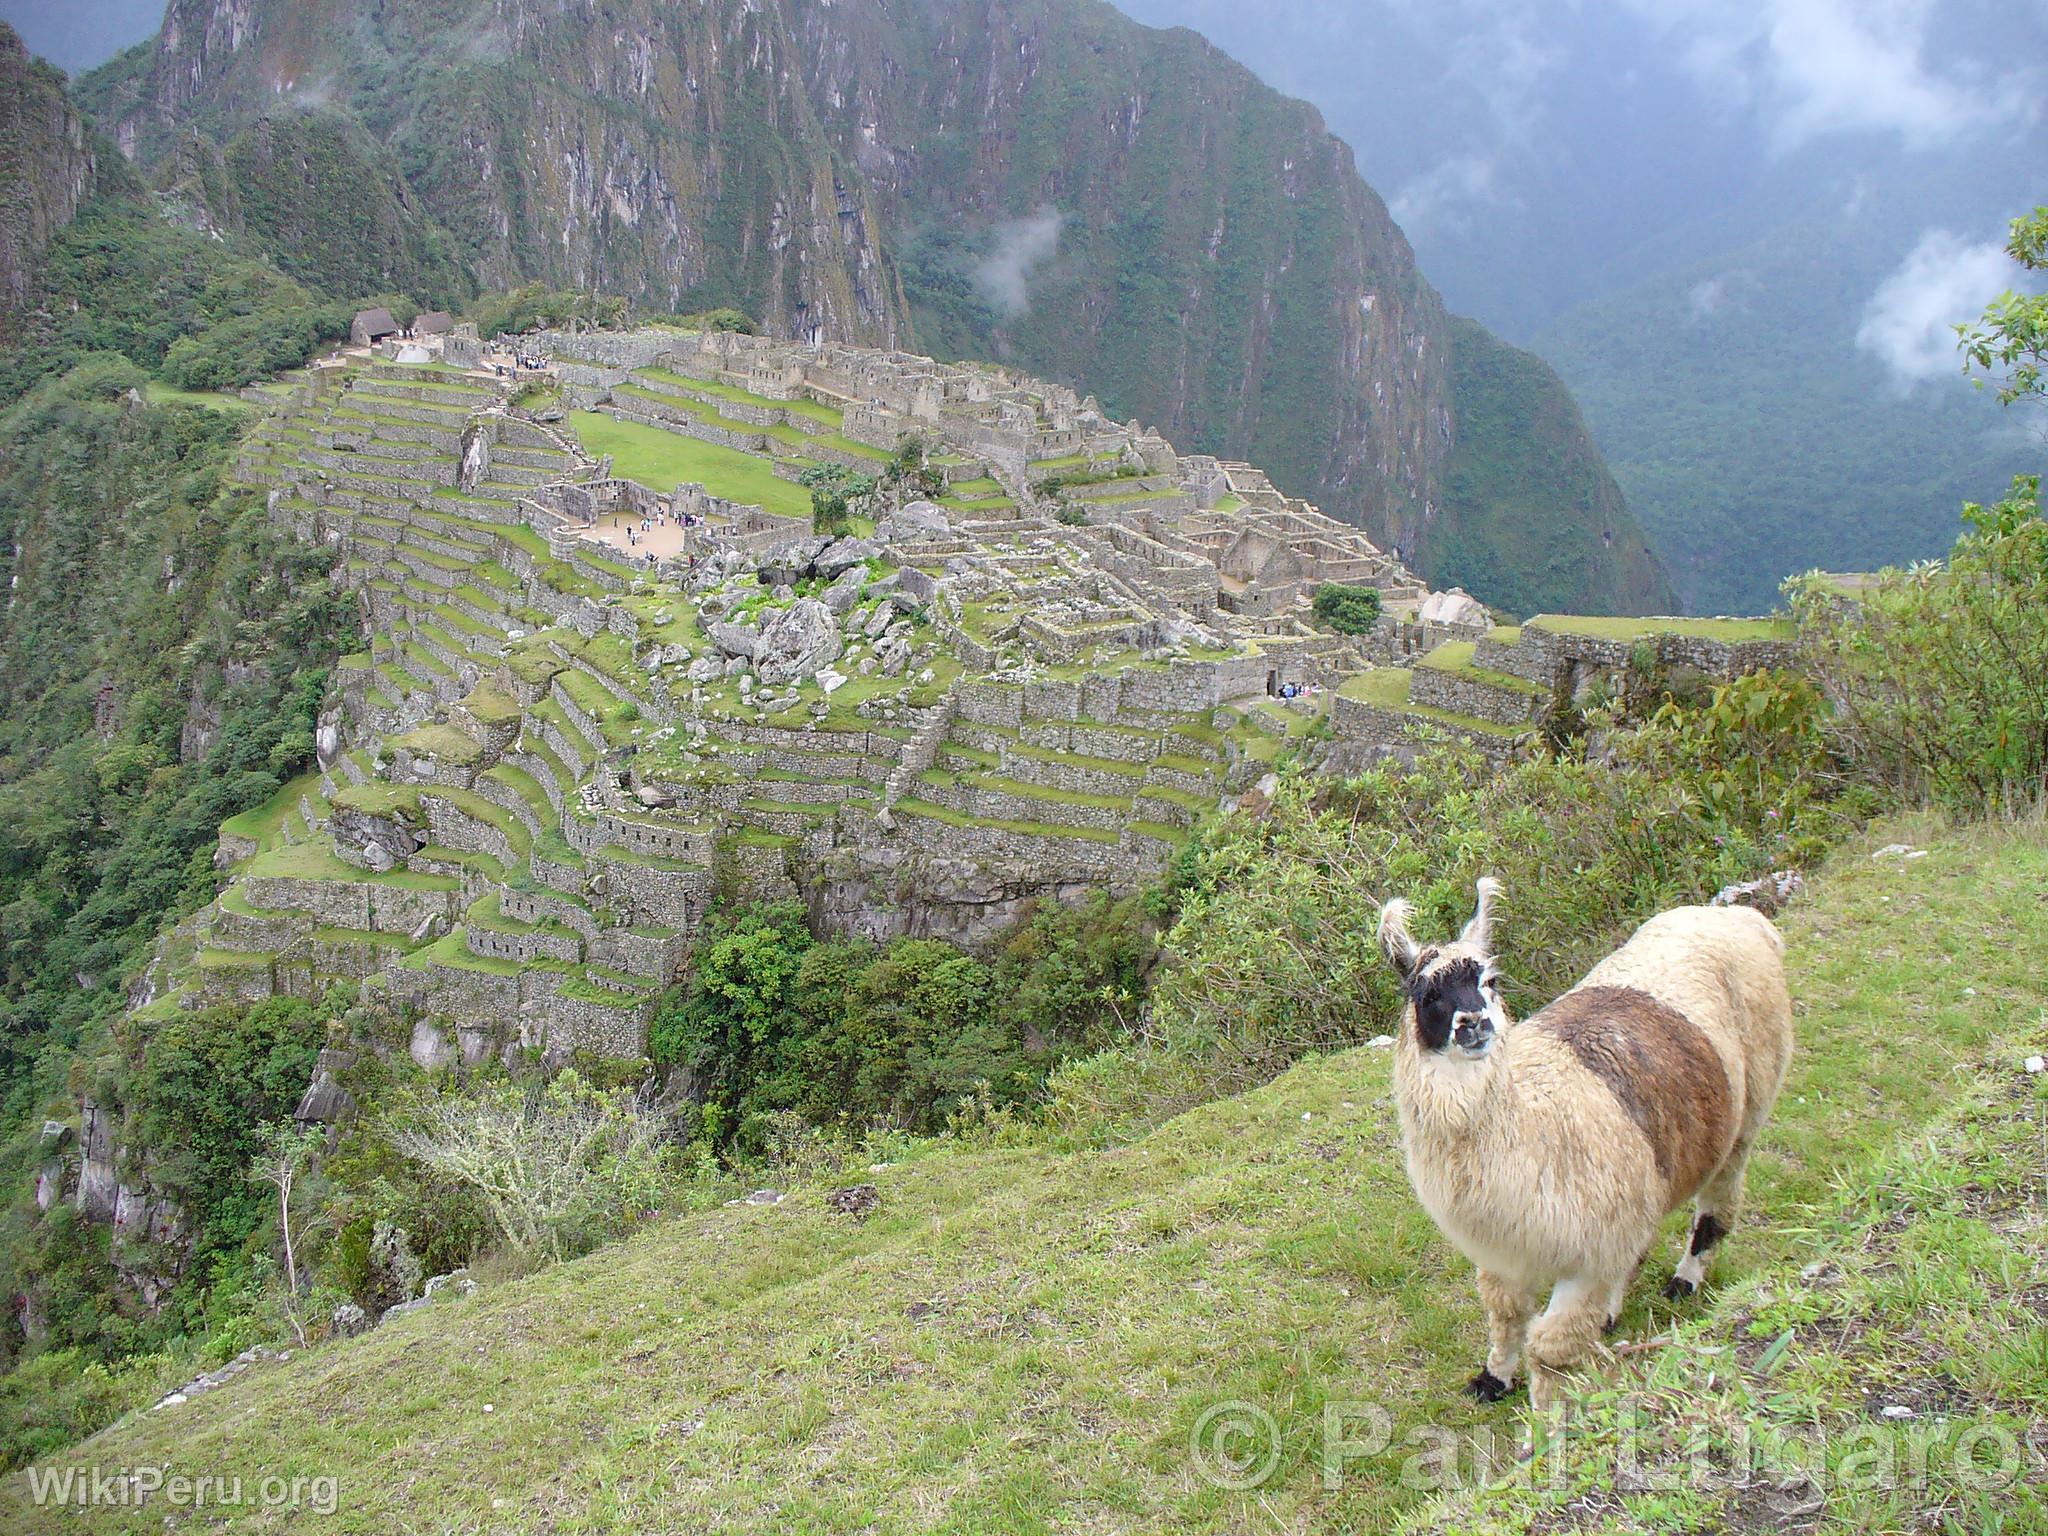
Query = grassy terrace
x=814 y=410
x=1455 y=657
x=316 y=861
x=1730 y=631
x=1387 y=688
x=159 y=393
x=452 y=950
x=953 y=818
x=663 y=460
x=1023 y=1339
x=265 y=823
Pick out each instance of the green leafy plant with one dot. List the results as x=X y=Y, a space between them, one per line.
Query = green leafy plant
x=1939 y=674
x=1348 y=610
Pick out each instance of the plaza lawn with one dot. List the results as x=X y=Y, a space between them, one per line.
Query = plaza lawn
x=663 y=460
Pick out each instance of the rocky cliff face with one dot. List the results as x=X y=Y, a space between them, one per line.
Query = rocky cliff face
x=48 y=168
x=1037 y=181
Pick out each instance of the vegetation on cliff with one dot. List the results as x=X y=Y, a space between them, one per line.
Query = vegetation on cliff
x=161 y=658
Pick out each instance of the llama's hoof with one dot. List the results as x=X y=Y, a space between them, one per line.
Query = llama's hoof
x=1487 y=1387
x=1611 y=1324
x=1677 y=1288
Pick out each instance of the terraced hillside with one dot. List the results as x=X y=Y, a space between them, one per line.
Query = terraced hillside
x=608 y=669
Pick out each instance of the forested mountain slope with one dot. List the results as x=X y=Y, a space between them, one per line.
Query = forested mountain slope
x=1039 y=182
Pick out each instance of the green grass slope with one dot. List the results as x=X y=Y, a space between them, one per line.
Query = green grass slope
x=1027 y=1340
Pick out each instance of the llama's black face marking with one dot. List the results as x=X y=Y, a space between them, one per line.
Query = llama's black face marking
x=1453 y=1008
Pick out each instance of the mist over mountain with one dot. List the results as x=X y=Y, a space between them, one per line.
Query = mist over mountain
x=1739 y=232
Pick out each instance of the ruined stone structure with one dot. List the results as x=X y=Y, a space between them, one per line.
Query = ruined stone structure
x=550 y=750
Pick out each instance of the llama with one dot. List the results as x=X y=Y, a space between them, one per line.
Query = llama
x=1550 y=1150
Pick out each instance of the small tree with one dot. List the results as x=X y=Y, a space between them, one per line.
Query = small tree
x=835 y=493
x=2010 y=342
x=911 y=471
x=285 y=1163
x=559 y=1166
x=1348 y=610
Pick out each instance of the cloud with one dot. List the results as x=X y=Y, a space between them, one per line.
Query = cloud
x=1446 y=192
x=1707 y=298
x=1908 y=325
x=1003 y=276
x=1819 y=67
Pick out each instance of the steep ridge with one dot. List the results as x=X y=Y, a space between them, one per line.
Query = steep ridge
x=1038 y=181
x=48 y=168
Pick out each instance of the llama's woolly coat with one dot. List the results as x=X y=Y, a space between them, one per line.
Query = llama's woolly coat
x=1633 y=1088
x=1550 y=1150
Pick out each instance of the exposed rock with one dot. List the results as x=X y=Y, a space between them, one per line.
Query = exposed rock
x=844 y=594
x=1456 y=606
x=797 y=641
x=843 y=555
x=791 y=562
x=734 y=639
x=456 y=1281
x=348 y=1320
x=913 y=523
x=856 y=1200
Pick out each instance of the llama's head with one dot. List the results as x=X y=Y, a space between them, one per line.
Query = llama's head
x=1454 y=1000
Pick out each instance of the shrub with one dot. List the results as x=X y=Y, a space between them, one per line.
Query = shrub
x=1348 y=610
x=1272 y=954
x=836 y=492
x=559 y=1167
x=1939 y=674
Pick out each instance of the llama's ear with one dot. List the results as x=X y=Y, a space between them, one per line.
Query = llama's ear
x=1479 y=932
x=1396 y=943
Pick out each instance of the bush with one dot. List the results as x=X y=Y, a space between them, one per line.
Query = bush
x=1939 y=674
x=1272 y=953
x=559 y=1167
x=776 y=1023
x=836 y=492
x=61 y=1396
x=1348 y=610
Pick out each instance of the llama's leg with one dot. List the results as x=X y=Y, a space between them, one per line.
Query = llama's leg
x=1720 y=1202
x=1508 y=1310
x=1617 y=1298
x=1565 y=1334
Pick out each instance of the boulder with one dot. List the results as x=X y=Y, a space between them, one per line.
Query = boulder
x=797 y=641
x=790 y=562
x=734 y=639
x=1456 y=606
x=843 y=555
x=348 y=1321
x=844 y=594
x=879 y=620
x=913 y=523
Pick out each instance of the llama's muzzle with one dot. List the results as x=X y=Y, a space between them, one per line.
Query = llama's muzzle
x=1472 y=1033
